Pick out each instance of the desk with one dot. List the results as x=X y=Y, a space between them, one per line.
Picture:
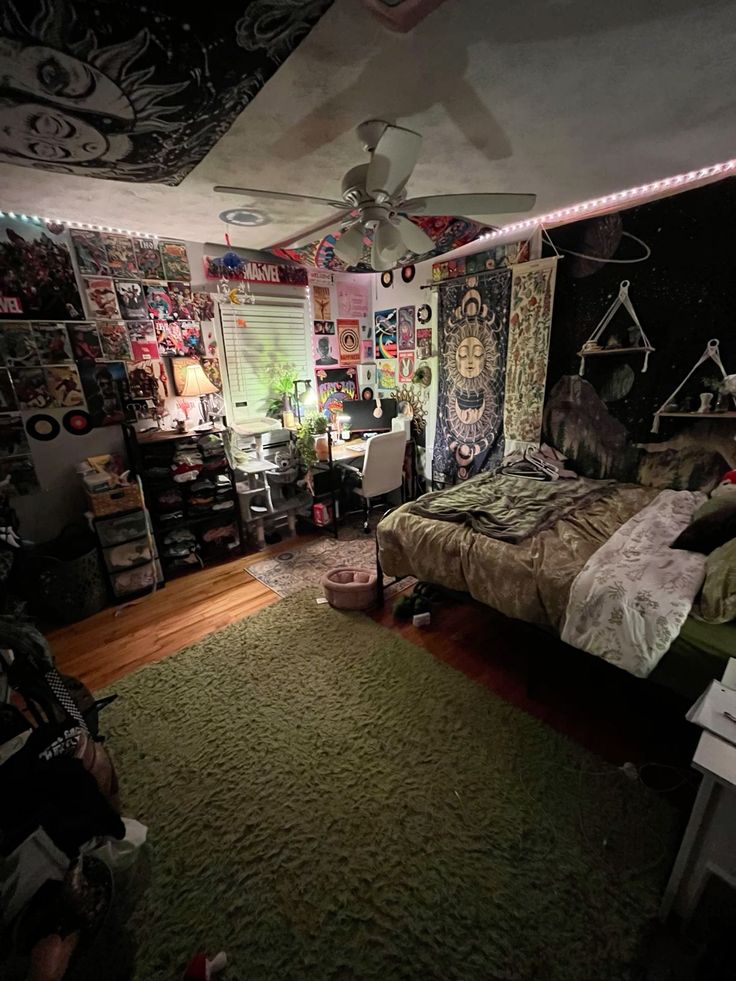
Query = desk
x=345 y=452
x=708 y=846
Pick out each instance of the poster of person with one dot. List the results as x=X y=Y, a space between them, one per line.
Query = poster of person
x=211 y=368
x=325 y=350
x=175 y=261
x=424 y=342
x=91 y=255
x=105 y=387
x=22 y=473
x=204 y=306
x=168 y=337
x=13 y=439
x=52 y=343
x=385 y=325
x=181 y=297
x=191 y=335
x=148 y=380
x=131 y=299
x=30 y=388
x=406 y=329
x=335 y=386
x=324 y=326
x=348 y=338
x=148 y=258
x=120 y=255
x=62 y=381
x=115 y=341
x=85 y=341
x=321 y=302
x=158 y=301
x=143 y=340
x=386 y=378
x=406 y=367
x=17 y=345
x=101 y=297
x=8 y=401
x=37 y=280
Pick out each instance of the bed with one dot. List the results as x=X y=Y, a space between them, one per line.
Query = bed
x=530 y=579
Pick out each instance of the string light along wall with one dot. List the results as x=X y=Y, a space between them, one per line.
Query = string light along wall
x=77 y=224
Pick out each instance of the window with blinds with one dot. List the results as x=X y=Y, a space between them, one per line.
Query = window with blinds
x=256 y=337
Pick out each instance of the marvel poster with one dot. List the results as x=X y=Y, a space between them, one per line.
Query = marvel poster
x=37 y=280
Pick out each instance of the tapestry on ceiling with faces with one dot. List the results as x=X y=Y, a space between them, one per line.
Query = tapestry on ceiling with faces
x=135 y=92
x=472 y=336
x=683 y=296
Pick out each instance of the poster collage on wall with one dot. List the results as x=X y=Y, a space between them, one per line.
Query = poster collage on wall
x=140 y=313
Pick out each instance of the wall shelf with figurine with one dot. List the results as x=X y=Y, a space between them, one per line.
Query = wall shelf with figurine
x=669 y=408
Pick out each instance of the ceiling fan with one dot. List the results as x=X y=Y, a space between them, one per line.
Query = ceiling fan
x=374 y=200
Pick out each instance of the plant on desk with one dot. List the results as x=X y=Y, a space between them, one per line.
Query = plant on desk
x=313 y=425
x=280 y=379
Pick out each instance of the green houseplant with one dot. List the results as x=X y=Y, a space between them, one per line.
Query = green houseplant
x=280 y=378
x=313 y=424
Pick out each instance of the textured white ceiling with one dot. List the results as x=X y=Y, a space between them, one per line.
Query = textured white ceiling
x=568 y=98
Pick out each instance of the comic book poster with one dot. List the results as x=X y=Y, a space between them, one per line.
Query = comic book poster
x=335 y=386
x=17 y=345
x=148 y=258
x=148 y=380
x=325 y=350
x=209 y=339
x=13 y=439
x=120 y=255
x=22 y=473
x=191 y=335
x=211 y=368
x=181 y=298
x=131 y=299
x=321 y=302
x=62 y=381
x=179 y=372
x=52 y=343
x=143 y=340
x=324 y=326
x=348 y=337
x=406 y=329
x=91 y=254
x=30 y=388
x=115 y=341
x=106 y=390
x=406 y=367
x=385 y=322
x=158 y=301
x=8 y=401
x=174 y=258
x=37 y=279
x=168 y=337
x=204 y=306
x=101 y=298
x=424 y=342
x=85 y=340
x=386 y=378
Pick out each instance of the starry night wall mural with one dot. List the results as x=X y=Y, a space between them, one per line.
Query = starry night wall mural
x=135 y=92
x=683 y=293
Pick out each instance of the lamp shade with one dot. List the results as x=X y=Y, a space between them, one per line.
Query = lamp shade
x=196 y=383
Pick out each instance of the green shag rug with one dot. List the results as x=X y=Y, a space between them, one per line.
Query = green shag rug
x=326 y=801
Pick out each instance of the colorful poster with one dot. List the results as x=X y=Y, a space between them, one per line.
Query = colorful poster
x=348 y=339
x=106 y=390
x=254 y=272
x=324 y=326
x=168 y=337
x=367 y=351
x=406 y=329
x=148 y=258
x=13 y=439
x=8 y=401
x=181 y=298
x=115 y=341
x=22 y=473
x=131 y=299
x=211 y=368
x=406 y=367
x=120 y=255
x=209 y=339
x=101 y=298
x=175 y=261
x=191 y=335
x=385 y=324
x=30 y=388
x=321 y=303
x=148 y=380
x=353 y=297
x=85 y=341
x=37 y=279
x=91 y=254
x=204 y=306
x=335 y=386
x=17 y=346
x=424 y=342
x=325 y=350
x=143 y=340
x=52 y=343
x=158 y=301
x=179 y=372
x=386 y=378
x=62 y=381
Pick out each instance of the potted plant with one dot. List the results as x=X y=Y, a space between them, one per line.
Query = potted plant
x=311 y=439
x=280 y=379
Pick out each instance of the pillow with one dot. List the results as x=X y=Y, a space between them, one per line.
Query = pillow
x=710 y=530
x=718 y=597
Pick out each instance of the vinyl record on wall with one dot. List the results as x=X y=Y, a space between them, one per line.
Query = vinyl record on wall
x=408 y=273
x=77 y=422
x=424 y=313
x=43 y=427
x=387 y=278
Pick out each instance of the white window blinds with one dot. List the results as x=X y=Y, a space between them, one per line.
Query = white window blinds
x=256 y=337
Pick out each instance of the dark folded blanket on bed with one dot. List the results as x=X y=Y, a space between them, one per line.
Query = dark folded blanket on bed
x=509 y=508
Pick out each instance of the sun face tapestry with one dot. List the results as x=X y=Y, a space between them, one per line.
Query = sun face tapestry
x=530 y=322
x=473 y=325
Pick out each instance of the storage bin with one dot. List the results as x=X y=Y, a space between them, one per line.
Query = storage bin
x=113 y=501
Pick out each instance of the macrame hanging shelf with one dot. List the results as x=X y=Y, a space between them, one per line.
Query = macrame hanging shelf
x=712 y=353
x=593 y=348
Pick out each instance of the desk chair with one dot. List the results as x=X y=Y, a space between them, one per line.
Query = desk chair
x=382 y=471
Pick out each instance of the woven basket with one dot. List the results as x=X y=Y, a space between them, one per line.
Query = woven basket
x=350 y=589
x=115 y=500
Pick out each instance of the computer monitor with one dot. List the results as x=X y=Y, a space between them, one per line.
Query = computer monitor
x=362 y=418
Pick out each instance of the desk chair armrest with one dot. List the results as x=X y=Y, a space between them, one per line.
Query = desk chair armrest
x=355 y=470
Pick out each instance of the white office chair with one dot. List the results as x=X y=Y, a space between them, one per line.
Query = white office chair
x=383 y=469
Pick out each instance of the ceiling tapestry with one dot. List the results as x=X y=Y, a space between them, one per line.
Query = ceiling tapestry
x=141 y=93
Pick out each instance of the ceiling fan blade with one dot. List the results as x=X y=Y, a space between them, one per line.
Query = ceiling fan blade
x=349 y=247
x=388 y=246
x=253 y=192
x=469 y=205
x=415 y=238
x=392 y=162
x=311 y=233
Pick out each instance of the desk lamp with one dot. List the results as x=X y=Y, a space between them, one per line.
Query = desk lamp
x=309 y=398
x=197 y=385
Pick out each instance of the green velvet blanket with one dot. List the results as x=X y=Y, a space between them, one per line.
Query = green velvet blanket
x=509 y=508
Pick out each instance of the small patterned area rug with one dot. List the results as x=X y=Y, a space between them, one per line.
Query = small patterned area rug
x=305 y=565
